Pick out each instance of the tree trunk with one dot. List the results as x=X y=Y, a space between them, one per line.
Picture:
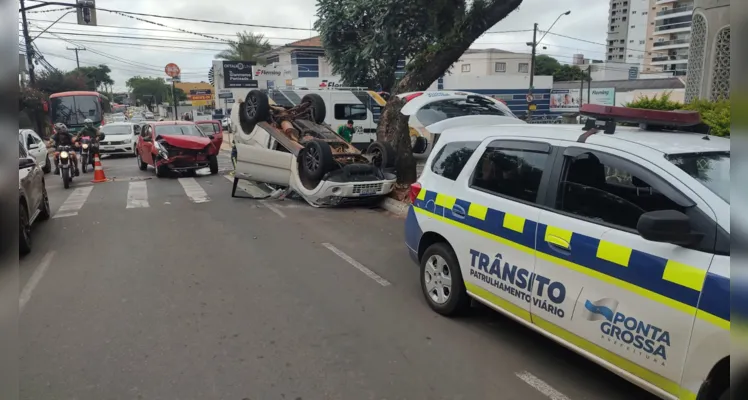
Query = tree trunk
x=391 y=124
x=427 y=67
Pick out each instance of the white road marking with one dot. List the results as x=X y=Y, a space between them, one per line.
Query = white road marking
x=273 y=208
x=74 y=202
x=41 y=269
x=193 y=190
x=137 y=195
x=541 y=386
x=371 y=274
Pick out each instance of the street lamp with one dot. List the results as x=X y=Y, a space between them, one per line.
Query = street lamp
x=534 y=45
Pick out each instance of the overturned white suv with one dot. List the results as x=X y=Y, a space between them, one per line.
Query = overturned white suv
x=293 y=148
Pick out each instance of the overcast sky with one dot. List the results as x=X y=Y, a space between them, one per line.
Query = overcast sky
x=122 y=46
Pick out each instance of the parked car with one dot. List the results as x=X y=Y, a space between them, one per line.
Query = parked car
x=179 y=146
x=294 y=148
x=149 y=115
x=121 y=138
x=36 y=148
x=226 y=123
x=214 y=128
x=613 y=241
x=33 y=203
x=460 y=108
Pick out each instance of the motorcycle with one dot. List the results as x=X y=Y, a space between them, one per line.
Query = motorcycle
x=86 y=154
x=67 y=164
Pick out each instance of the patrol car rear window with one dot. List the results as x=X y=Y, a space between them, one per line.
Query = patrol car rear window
x=510 y=172
x=452 y=158
x=710 y=169
x=440 y=110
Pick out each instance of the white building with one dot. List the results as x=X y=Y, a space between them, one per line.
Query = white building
x=709 y=58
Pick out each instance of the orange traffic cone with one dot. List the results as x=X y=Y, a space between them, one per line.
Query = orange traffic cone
x=98 y=171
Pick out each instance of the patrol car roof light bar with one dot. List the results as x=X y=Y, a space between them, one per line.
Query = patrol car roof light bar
x=647 y=119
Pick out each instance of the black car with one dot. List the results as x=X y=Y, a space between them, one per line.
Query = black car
x=32 y=196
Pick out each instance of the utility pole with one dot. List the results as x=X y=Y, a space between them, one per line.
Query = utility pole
x=77 y=49
x=29 y=49
x=581 y=91
x=532 y=67
x=174 y=97
x=589 y=83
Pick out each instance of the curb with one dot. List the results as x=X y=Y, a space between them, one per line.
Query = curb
x=396 y=207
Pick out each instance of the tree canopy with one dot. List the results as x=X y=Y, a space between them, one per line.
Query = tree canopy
x=147 y=86
x=246 y=48
x=95 y=77
x=547 y=65
x=58 y=81
x=365 y=39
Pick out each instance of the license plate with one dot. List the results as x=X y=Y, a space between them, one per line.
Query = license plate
x=368 y=192
x=107 y=148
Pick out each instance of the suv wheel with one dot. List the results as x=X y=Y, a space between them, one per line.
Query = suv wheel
x=441 y=281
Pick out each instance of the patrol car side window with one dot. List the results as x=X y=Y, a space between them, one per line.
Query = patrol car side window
x=452 y=158
x=607 y=193
x=355 y=112
x=510 y=171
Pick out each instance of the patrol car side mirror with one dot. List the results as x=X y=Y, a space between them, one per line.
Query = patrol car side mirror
x=668 y=226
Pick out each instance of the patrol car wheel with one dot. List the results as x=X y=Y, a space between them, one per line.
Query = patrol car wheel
x=318 y=107
x=441 y=281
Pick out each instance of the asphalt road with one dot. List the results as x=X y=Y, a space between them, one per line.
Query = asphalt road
x=190 y=294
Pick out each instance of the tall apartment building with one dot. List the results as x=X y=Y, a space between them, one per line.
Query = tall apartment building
x=669 y=33
x=653 y=33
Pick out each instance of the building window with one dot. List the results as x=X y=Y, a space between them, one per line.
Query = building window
x=641 y=42
x=633 y=26
x=307 y=63
x=500 y=67
x=633 y=12
x=355 y=112
x=465 y=68
x=631 y=41
x=523 y=68
x=622 y=41
x=645 y=13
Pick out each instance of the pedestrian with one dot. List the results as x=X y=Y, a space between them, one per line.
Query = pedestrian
x=346 y=131
x=234 y=154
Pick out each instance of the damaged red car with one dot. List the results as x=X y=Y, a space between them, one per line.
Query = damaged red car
x=178 y=146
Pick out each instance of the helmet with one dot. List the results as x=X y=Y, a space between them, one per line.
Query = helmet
x=87 y=122
x=61 y=128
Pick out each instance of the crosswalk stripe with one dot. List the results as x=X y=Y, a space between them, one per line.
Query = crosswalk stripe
x=74 y=202
x=137 y=195
x=193 y=190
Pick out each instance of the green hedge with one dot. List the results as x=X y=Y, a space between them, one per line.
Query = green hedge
x=716 y=114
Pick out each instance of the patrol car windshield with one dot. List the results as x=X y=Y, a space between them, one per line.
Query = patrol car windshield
x=711 y=169
x=440 y=110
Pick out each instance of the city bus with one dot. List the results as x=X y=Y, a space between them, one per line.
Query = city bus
x=72 y=108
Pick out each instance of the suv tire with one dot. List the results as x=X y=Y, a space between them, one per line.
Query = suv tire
x=383 y=154
x=318 y=107
x=255 y=109
x=316 y=160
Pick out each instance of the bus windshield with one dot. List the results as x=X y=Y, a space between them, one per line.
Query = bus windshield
x=73 y=110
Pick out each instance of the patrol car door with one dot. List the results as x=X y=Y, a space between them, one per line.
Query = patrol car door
x=627 y=300
x=498 y=202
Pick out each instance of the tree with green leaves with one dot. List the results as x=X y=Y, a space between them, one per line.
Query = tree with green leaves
x=57 y=81
x=569 y=73
x=365 y=39
x=546 y=65
x=247 y=47
x=144 y=86
x=95 y=77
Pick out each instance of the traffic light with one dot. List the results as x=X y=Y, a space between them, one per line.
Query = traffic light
x=87 y=12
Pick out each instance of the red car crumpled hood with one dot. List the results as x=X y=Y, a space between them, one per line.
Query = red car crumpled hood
x=186 y=142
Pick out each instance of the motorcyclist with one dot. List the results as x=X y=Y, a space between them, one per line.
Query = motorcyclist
x=63 y=137
x=92 y=133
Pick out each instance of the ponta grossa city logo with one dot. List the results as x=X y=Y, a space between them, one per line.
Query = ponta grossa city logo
x=631 y=334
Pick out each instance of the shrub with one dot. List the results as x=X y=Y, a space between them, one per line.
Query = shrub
x=716 y=114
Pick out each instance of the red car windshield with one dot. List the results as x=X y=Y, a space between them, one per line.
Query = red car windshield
x=186 y=130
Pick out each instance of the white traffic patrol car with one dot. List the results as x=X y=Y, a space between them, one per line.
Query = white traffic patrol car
x=612 y=241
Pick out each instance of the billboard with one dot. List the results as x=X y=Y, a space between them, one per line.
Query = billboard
x=238 y=74
x=567 y=100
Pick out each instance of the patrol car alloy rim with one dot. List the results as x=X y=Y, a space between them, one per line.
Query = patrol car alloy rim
x=438 y=279
x=252 y=107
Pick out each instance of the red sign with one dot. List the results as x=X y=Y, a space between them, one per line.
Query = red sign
x=172 y=70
